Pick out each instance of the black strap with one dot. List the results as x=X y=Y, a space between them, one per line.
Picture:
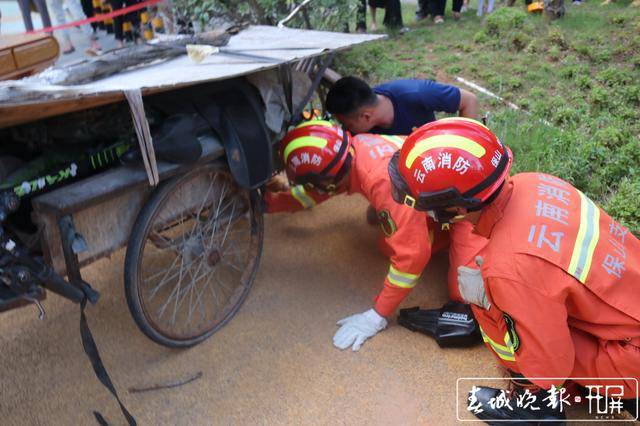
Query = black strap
x=339 y=155
x=297 y=114
x=284 y=71
x=91 y=350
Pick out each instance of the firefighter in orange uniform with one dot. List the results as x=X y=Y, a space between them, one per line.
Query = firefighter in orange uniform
x=558 y=295
x=323 y=160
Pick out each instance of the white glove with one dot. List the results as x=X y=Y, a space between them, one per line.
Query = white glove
x=471 y=285
x=354 y=330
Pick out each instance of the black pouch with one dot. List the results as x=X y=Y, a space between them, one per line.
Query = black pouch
x=453 y=325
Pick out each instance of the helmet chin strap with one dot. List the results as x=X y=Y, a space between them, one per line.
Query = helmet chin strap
x=446 y=217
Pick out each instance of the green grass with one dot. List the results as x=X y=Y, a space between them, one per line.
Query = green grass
x=581 y=74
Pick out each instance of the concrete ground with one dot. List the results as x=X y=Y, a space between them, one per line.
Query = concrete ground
x=274 y=363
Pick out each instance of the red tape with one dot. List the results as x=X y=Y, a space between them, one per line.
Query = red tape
x=97 y=18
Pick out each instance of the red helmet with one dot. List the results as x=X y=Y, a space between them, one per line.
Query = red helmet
x=449 y=162
x=316 y=152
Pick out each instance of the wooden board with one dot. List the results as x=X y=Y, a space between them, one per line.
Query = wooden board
x=104 y=207
x=264 y=48
x=26 y=54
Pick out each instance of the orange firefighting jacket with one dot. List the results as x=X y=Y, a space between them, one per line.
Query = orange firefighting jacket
x=406 y=230
x=558 y=268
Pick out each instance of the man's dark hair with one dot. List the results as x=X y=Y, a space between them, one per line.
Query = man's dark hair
x=348 y=95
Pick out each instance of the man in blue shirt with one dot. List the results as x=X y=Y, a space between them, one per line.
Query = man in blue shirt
x=396 y=107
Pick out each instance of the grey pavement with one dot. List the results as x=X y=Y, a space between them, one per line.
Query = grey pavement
x=11 y=23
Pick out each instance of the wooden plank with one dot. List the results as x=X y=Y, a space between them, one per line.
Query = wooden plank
x=109 y=184
x=106 y=227
x=280 y=44
x=7 y=64
x=36 y=52
x=29 y=112
x=25 y=54
x=104 y=207
x=9 y=41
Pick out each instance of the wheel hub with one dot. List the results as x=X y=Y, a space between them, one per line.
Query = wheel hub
x=214 y=256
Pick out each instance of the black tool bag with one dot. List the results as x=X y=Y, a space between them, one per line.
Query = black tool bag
x=453 y=325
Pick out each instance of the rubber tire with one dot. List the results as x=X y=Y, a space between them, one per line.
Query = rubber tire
x=138 y=237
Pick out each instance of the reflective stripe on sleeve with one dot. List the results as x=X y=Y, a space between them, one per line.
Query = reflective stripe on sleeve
x=588 y=236
x=504 y=352
x=402 y=279
x=301 y=196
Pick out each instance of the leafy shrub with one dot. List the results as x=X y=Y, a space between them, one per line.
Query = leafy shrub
x=584 y=82
x=360 y=62
x=537 y=93
x=325 y=14
x=533 y=47
x=554 y=53
x=600 y=97
x=556 y=38
x=514 y=82
x=614 y=76
x=582 y=48
x=569 y=72
x=505 y=20
x=565 y=115
x=610 y=136
x=619 y=19
x=601 y=55
x=481 y=37
x=624 y=204
x=506 y=27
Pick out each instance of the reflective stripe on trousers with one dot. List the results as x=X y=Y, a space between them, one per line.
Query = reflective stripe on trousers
x=505 y=351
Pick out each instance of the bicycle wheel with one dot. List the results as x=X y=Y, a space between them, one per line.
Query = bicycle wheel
x=192 y=256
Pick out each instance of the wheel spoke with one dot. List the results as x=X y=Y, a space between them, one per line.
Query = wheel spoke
x=209 y=261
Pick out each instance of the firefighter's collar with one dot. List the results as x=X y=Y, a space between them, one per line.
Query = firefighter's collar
x=492 y=213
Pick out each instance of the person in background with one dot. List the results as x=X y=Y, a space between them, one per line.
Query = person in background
x=456 y=8
x=373 y=5
x=57 y=7
x=87 y=8
x=361 y=14
x=422 y=11
x=481 y=10
x=396 y=107
x=25 y=10
x=119 y=21
x=437 y=10
x=393 y=16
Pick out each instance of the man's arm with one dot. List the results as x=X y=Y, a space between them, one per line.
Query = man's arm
x=293 y=200
x=468 y=105
x=407 y=238
x=410 y=251
x=436 y=96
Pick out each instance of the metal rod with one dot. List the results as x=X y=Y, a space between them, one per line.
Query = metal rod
x=293 y=13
